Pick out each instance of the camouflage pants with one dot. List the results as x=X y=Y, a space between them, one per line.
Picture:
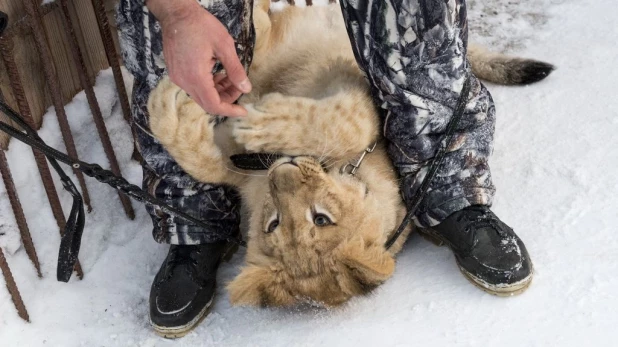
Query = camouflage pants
x=413 y=53
x=142 y=51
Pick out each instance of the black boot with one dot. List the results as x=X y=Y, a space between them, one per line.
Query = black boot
x=183 y=289
x=488 y=252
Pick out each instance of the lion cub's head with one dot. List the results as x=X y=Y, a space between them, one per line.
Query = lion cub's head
x=317 y=238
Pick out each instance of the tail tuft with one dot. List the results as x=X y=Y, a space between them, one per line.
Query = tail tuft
x=507 y=70
x=530 y=71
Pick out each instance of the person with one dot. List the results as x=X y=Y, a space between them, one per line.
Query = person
x=414 y=56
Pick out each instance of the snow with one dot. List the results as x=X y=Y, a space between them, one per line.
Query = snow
x=554 y=165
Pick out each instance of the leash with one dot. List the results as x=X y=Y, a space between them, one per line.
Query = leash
x=71 y=238
x=419 y=195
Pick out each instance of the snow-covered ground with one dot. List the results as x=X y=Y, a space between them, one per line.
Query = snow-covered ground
x=555 y=167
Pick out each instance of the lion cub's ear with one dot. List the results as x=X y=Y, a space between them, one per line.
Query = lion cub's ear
x=258 y=286
x=368 y=264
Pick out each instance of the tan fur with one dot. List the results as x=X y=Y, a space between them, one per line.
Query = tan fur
x=309 y=100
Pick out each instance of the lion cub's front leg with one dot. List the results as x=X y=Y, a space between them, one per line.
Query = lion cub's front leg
x=187 y=132
x=336 y=127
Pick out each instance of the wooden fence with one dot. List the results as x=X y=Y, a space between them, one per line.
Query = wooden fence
x=29 y=63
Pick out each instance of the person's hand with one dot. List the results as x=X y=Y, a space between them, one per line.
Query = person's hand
x=193 y=40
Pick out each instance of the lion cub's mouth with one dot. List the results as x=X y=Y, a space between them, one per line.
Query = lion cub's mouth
x=280 y=162
x=287 y=174
x=306 y=164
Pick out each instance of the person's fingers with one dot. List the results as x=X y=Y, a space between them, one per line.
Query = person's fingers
x=204 y=88
x=224 y=109
x=223 y=84
x=207 y=96
x=229 y=95
x=227 y=91
x=218 y=77
x=226 y=53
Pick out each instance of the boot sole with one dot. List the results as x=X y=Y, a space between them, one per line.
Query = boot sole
x=180 y=331
x=497 y=290
x=502 y=291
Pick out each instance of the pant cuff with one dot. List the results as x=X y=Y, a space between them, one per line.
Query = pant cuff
x=193 y=235
x=434 y=215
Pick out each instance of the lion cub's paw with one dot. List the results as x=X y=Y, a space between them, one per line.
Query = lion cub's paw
x=170 y=108
x=271 y=125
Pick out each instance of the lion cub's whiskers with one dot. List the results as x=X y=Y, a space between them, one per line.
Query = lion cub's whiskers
x=244 y=173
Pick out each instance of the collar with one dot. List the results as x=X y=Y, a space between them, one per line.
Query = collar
x=262 y=161
x=254 y=161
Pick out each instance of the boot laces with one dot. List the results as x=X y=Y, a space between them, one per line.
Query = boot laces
x=182 y=256
x=484 y=218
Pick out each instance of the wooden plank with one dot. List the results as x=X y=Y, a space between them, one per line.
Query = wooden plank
x=92 y=48
x=14 y=8
x=60 y=51
x=33 y=82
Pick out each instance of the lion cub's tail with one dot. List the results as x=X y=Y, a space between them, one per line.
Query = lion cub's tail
x=503 y=69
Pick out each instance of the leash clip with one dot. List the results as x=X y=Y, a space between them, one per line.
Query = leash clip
x=350 y=168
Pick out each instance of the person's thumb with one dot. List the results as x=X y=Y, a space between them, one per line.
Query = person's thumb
x=233 y=68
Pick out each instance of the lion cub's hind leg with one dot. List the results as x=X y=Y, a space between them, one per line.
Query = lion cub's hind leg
x=272 y=27
x=186 y=131
x=262 y=23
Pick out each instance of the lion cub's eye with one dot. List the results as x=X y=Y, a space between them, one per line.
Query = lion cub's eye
x=272 y=226
x=321 y=220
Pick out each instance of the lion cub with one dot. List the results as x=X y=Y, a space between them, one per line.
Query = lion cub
x=315 y=233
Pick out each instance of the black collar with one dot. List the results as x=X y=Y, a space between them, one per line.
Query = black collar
x=255 y=161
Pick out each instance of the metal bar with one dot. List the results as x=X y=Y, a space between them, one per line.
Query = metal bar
x=6 y=50
x=12 y=287
x=49 y=69
x=112 y=56
x=93 y=102
x=18 y=211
